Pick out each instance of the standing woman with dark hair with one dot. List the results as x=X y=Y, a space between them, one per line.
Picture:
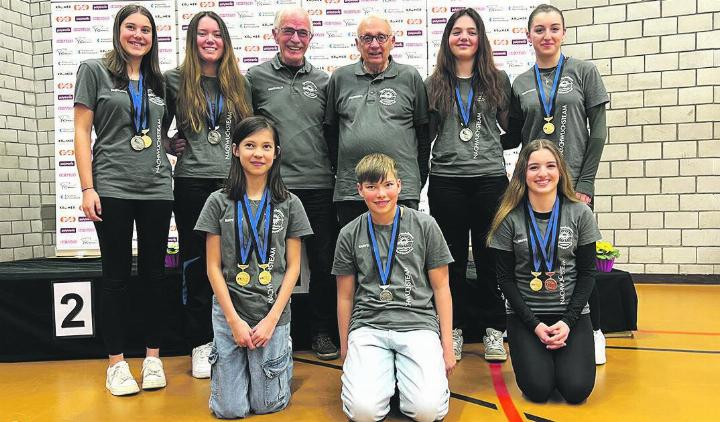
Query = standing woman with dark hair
x=468 y=97
x=126 y=178
x=572 y=99
x=544 y=239
x=208 y=96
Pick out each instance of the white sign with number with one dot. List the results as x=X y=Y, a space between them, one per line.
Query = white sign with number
x=73 y=309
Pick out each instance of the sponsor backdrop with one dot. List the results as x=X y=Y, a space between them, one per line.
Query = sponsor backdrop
x=83 y=30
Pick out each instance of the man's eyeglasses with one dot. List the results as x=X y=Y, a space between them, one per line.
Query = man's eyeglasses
x=368 y=39
x=289 y=32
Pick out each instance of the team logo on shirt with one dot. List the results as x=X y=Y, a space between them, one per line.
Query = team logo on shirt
x=278 y=221
x=405 y=243
x=310 y=89
x=388 y=96
x=565 y=85
x=155 y=100
x=565 y=237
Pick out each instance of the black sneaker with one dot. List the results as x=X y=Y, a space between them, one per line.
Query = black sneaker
x=324 y=348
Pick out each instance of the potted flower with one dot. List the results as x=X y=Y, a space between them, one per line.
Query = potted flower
x=605 y=254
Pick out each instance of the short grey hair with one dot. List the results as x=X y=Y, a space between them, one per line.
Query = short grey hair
x=373 y=15
x=280 y=15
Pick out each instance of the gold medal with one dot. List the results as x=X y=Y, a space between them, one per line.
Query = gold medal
x=147 y=141
x=242 y=278
x=536 y=284
x=548 y=127
x=265 y=277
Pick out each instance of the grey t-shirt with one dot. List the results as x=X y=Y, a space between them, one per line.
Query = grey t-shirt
x=253 y=301
x=577 y=227
x=202 y=159
x=376 y=114
x=420 y=247
x=295 y=102
x=483 y=154
x=118 y=170
x=580 y=88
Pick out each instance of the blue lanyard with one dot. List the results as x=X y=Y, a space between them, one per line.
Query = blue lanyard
x=261 y=245
x=137 y=105
x=549 y=102
x=464 y=110
x=547 y=242
x=384 y=270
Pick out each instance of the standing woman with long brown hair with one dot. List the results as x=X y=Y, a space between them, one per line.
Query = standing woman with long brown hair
x=544 y=241
x=569 y=110
x=208 y=96
x=468 y=97
x=126 y=178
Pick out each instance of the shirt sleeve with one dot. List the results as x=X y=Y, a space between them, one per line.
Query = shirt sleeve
x=505 y=270
x=344 y=260
x=299 y=225
x=503 y=236
x=585 y=261
x=331 y=118
x=420 y=106
x=593 y=153
x=513 y=137
x=209 y=219
x=86 y=87
x=594 y=88
x=437 y=252
x=587 y=227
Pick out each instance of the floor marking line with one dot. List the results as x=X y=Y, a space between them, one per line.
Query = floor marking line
x=652 y=349
x=503 y=395
x=536 y=418
x=689 y=333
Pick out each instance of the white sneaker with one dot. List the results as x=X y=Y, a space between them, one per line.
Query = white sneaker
x=200 y=362
x=494 y=348
x=153 y=375
x=120 y=381
x=457 y=343
x=599 y=338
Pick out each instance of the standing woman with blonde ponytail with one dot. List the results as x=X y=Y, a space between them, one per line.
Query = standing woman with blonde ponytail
x=126 y=179
x=208 y=96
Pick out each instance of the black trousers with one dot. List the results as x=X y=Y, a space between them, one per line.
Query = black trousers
x=594 y=300
x=349 y=210
x=152 y=219
x=190 y=196
x=539 y=371
x=463 y=205
x=320 y=248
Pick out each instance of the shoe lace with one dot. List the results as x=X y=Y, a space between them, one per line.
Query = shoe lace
x=152 y=370
x=204 y=352
x=494 y=342
x=121 y=375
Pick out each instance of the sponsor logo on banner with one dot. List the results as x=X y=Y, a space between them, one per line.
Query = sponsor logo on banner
x=63 y=30
x=414 y=33
x=519 y=42
x=100 y=7
x=250 y=60
x=333 y=12
x=438 y=21
x=66 y=163
x=67 y=230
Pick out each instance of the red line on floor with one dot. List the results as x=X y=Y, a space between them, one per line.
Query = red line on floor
x=689 y=333
x=503 y=395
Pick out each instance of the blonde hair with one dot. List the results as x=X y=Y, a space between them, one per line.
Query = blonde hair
x=516 y=191
x=375 y=168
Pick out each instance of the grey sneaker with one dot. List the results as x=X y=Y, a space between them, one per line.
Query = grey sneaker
x=494 y=348
x=457 y=343
x=324 y=348
x=120 y=381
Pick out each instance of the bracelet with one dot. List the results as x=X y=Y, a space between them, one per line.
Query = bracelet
x=88 y=188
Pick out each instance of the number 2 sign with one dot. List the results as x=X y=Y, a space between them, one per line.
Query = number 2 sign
x=73 y=309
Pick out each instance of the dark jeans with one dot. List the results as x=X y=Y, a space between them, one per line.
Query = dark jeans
x=152 y=219
x=190 y=196
x=461 y=205
x=539 y=371
x=320 y=248
x=349 y=210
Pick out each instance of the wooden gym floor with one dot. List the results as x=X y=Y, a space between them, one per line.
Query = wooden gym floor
x=669 y=371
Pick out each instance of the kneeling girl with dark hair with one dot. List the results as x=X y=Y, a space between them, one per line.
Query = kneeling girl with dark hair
x=545 y=244
x=253 y=226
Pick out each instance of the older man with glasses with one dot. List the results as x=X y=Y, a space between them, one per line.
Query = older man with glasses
x=291 y=92
x=376 y=105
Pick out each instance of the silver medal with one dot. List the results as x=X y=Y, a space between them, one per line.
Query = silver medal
x=386 y=295
x=466 y=134
x=214 y=137
x=137 y=143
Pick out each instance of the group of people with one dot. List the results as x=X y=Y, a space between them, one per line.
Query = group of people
x=287 y=153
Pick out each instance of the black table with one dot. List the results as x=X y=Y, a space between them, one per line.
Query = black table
x=618 y=301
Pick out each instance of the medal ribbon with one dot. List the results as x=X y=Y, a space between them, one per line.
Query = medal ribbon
x=464 y=111
x=241 y=247
x=138 y=106
x=262 y=246
x=384 y=270
x=545 y=243
x=549 y=103
x=214 y=110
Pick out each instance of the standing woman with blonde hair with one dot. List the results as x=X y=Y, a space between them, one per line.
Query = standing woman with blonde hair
x=126 y=178
x=208 y=96
x=544 y=240
x=569 y=110
x=468 y=97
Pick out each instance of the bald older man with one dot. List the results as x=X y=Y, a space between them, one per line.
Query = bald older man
x=291 y=92
x=376 y=105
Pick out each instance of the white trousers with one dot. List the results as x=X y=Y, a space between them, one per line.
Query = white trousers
x=373 y=359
